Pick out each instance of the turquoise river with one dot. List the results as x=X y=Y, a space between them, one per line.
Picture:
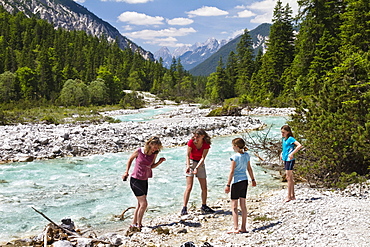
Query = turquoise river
x=90 y=191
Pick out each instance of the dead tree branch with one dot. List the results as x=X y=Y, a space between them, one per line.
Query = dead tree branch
x=265 y=147
x=122 y=215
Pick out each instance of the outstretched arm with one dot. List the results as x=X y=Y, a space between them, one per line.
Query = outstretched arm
x=154 y=165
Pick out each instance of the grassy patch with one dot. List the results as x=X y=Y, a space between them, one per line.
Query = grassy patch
x=262 y=218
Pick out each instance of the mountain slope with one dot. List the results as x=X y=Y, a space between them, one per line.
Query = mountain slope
x=69 y=15
x=258 y=35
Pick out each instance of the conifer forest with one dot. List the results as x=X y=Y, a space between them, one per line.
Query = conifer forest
x=317 y=62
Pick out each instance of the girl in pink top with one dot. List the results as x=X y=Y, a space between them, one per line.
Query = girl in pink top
x=145 y=162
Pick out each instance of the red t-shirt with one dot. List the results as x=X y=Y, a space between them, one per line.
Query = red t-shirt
x=196 y=154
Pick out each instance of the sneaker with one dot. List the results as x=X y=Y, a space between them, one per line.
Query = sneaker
x=134 y=228
x=184 y=211
x=206 y=210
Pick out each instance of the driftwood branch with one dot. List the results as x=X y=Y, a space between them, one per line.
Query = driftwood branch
x=74 y=234
x=58 y=226
x=122 y=215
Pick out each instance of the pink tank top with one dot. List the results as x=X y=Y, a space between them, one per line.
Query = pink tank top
x=143 y=166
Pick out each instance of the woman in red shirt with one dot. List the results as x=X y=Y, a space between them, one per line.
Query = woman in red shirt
x=197 y=151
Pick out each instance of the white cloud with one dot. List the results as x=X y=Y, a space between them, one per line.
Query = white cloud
x=169 y=32
x=180 y=21
x=236 y=33
x=264 y=9
x=80 y=1
x=168 y=42
x=164 y=37
x=240 y=7
x=136 y=18
x=265 y=18
x=245 y=14
x=127 y=28
x=129 y=1
x=207 y=11
x=269 y=5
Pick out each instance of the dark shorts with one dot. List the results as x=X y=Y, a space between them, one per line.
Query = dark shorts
x=289 y=165
x=139 y=187
x=239 y=190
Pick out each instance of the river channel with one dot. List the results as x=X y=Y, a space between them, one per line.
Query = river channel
x=89 y=190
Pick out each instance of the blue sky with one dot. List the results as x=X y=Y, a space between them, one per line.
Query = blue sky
x=173 y=23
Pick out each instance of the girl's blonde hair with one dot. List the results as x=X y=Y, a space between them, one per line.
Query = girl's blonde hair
x=240 y=143
x=153 y=141
x=202 y=132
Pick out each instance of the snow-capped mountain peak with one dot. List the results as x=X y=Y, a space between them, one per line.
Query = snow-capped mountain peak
x=190 y=56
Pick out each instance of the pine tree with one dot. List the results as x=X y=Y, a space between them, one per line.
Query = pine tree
x=278 y=57
x=245 y=56
x=231 y=75
x=316 y=18
x=338 y=115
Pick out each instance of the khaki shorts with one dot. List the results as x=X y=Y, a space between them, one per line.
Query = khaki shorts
x=201 y=170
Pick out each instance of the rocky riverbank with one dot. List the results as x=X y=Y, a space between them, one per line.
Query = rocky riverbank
x=318 y=217
x=27 y=142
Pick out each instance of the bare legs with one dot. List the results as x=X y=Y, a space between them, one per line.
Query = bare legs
x=189 y=187
x=142 y=204
x=290 y=179
x=203 y=186
x=234 y=210
x=243 y=207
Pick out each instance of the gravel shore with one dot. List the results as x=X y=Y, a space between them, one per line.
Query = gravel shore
x=319 y=217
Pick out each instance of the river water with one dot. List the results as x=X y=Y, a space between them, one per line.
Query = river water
x=89 y=190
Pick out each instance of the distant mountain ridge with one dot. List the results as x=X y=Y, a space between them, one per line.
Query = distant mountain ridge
x=190 y=56
x=203 y=58
x=69 y=15
x=259 y=36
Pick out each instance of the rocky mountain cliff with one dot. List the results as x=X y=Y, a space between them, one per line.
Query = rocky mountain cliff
x=69 y=15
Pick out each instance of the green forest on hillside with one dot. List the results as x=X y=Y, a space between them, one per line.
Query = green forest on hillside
x=323 y=71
